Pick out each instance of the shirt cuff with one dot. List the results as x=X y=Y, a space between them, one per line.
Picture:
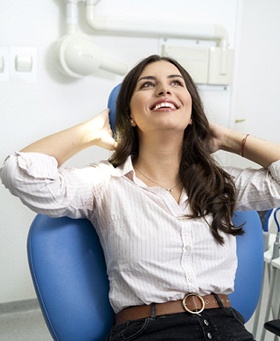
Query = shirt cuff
x=37 y=165
x=274 y=169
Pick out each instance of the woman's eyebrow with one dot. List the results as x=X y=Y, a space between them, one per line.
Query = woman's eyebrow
x=154 y=78
x=146 y=78
x=175 y=76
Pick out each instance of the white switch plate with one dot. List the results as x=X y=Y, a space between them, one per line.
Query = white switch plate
x=4 y=55
x=19 y=52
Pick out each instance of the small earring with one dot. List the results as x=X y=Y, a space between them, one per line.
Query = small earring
x=132 y=122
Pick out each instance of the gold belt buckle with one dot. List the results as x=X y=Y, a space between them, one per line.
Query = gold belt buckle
x=197 y=312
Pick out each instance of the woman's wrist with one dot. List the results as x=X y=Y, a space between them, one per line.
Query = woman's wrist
x=235 y=142
x=243 y=143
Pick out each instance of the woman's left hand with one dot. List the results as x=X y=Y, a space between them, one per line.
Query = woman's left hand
x=219 y=137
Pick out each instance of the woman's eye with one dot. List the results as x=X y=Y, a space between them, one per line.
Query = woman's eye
x=177 y=82
x=147 y=85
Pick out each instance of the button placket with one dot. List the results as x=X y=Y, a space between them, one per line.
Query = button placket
x=206 y=322
x=207 y=327
x=187 y=248
x=209 y=335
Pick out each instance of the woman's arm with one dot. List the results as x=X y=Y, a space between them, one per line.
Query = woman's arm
x=34 y=177
x=65 y=144
x=255 y=149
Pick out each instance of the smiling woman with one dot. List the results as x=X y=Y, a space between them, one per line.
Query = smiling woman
x=160 y=108
x=161 y=205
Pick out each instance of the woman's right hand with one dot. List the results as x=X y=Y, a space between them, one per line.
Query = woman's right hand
x=102 y=132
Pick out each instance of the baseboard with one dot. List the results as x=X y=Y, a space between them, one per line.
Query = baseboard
x=18 y=306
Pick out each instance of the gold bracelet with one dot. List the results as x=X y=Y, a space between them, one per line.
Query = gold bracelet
x=243 y=145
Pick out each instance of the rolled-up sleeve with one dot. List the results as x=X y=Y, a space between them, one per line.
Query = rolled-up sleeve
x=257 y=189
x=47 y=189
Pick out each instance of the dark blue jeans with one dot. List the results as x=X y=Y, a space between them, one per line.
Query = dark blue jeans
x=223 y=324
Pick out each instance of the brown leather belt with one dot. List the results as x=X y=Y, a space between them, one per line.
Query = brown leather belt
x=191 y=303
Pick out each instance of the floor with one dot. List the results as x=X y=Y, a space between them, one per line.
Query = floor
x=23 y=326
x=22 y=321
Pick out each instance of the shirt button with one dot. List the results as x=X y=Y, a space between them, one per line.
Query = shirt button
x=209 y=335
x=188 y=248
x=206 y=323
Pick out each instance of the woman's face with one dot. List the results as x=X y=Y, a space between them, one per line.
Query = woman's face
x=161 y=100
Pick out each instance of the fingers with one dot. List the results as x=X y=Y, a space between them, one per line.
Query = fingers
x=114 y=146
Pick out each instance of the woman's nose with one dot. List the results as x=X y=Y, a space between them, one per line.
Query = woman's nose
x=163 y=91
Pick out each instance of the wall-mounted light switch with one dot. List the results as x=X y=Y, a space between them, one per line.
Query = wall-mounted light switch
x=23 y=64
x=4 y=63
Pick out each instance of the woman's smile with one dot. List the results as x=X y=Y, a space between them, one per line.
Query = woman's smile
x=164 y=105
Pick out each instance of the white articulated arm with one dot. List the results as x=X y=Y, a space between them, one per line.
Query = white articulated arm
x=156 y=28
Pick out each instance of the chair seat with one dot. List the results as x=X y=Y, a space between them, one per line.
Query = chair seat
x=273 y=326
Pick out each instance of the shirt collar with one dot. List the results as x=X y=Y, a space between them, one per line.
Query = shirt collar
x=126 y=169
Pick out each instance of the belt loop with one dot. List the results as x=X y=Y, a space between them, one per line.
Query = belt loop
x=154 y=310
x=218 y=300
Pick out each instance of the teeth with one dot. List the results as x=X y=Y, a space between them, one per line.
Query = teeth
x=164 y=105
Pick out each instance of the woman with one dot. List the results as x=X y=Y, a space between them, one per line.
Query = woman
x=161 y=205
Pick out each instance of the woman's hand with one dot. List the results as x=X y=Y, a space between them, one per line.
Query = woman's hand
x=220 y=135
x=102 y=134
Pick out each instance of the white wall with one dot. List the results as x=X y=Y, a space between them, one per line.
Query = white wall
x=32 y=110
x=255 y=90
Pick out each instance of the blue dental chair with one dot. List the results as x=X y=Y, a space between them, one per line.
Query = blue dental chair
x=69 y=273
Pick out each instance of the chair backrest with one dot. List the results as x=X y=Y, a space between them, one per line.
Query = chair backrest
x=250 y=254
x=69 y=275
x=112 y=102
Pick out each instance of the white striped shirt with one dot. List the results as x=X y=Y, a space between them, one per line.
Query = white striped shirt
x=153 y=253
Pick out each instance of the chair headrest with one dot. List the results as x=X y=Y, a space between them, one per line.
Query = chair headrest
x=112 y=101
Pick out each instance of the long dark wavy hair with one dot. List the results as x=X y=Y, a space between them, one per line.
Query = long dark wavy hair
x=210 y=189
